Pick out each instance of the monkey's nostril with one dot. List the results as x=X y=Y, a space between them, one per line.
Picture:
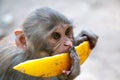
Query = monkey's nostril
x=68 y=43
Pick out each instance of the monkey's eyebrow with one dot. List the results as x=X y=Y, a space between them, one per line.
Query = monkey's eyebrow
x=55 y=29
x=68 y=26
x=51 y=31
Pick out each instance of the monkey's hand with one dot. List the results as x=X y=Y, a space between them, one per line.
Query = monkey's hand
x=75 y=68
x=86 y=35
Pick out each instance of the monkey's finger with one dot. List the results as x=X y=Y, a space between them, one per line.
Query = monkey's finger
x=74 y=56
x=92 y=37
x=66 y=73
x=80 y=39
x=83 y=38
x=75 y=68
x=74 y=71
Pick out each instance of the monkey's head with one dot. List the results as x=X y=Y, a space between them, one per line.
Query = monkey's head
x=45 y=30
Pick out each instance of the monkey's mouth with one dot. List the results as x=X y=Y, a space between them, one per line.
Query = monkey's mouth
x=64 y=51
x=61 y=51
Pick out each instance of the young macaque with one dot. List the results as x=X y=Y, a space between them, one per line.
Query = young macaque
x=45 y=32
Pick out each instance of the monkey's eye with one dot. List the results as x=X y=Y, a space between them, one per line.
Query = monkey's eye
x=56 y=36
x=68 y=32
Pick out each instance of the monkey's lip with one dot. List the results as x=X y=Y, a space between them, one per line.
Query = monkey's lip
x=64 y=51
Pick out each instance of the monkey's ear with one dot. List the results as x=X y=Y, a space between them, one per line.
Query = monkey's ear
x=20 y=39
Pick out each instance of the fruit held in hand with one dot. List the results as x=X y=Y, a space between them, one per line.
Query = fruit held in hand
x=53 y=65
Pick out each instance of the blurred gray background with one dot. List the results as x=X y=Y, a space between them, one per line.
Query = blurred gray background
x=101 y=16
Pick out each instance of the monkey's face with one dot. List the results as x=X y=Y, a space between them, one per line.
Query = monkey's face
x=61 y=38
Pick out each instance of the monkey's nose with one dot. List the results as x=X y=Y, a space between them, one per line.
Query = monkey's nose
x=68 y=43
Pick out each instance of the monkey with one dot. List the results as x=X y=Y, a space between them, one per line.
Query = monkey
x=45 y=32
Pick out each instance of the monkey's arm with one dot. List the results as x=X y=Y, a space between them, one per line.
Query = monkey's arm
x=75 y=68
x=85 y=35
